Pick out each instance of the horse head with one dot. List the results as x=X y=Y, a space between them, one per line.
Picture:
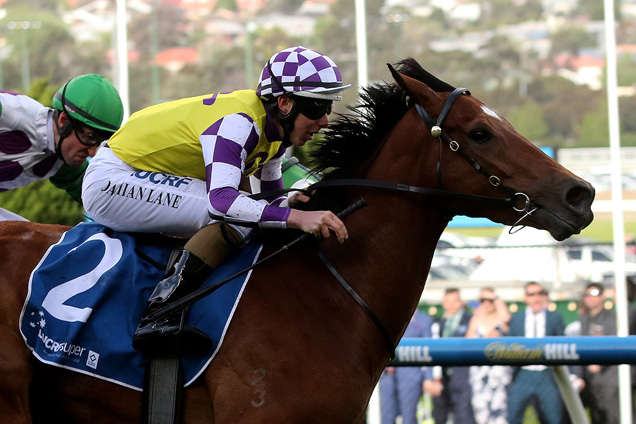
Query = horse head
x=472 y=138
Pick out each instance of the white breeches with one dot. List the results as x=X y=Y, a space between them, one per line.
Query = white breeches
x=126 y=199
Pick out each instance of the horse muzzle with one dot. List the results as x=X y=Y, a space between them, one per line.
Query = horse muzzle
x=571 y=216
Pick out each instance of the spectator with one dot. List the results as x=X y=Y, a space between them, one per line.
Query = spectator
x=601 y=381
x=489 y=383
x=401 y=387
x=450 y=388
x=574 y=328
x=535 y=385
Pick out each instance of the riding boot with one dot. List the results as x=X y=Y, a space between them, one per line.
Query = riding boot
x=186 y=276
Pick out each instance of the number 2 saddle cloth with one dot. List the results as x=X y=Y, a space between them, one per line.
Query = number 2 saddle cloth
x=89 y=291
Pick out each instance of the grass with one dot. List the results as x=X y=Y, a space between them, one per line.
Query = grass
x=602 y=229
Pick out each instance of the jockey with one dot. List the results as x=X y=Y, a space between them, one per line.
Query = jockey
x=38 y=142
x=180 y=166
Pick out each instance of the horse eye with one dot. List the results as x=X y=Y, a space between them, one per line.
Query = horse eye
x=480 y=135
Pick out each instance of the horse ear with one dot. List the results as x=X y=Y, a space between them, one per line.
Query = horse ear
x=397 y=76
x=413 y=87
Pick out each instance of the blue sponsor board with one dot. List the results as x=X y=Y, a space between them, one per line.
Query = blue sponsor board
x=554 y=350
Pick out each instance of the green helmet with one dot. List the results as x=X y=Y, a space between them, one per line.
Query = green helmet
x=93 y=100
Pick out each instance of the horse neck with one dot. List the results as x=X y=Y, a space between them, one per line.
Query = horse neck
x=396 y=235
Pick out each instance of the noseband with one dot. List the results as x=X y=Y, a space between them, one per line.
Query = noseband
x=516 y=198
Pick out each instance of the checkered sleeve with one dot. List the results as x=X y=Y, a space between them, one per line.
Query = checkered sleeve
x=270 y=178
x=226 y=145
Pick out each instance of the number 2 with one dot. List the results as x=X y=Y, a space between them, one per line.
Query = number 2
x=54 y=301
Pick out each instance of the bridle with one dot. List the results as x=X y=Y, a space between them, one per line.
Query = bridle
x=437 y=132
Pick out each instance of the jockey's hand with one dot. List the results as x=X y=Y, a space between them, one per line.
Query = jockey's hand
x=297 y=198
x=318 y=223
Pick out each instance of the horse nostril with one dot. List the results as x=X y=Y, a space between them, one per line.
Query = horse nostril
x=578 y=196
x=574 y=196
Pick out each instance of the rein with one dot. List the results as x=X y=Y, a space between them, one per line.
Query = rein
x=362 y=182
x=520 y=202
x=364 y=305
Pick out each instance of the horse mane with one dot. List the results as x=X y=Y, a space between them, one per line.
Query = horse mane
x=353 y=137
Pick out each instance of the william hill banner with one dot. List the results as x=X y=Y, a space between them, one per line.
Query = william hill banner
x=455 y=351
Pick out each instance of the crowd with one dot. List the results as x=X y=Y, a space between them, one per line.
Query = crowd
x=502 y=394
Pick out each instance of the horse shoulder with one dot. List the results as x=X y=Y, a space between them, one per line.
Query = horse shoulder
x=30 y=232
x=22 y=245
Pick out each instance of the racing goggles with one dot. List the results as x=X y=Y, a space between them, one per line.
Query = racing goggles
x=89 y=136
x=313 y=108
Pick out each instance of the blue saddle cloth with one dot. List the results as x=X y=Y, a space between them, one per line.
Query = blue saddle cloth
x=89 y=291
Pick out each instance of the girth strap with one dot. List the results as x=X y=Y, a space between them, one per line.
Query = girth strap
x=385 y=334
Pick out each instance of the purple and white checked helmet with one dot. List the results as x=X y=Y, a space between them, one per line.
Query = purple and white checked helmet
x=302 y=72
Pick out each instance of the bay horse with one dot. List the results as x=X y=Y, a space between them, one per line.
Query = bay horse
x=299 y=348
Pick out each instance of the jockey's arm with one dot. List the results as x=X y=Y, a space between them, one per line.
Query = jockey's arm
x=224 y=179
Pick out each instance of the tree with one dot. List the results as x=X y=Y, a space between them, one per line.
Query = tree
x=564 y=104
x=49 y=46
x=42 y=91
x=594 y=129
x=227 y=5
x=42 y=202
x=626 y=71
x=169 y=22
x=501 y=60
x=627 y=109
x=571 y=39
x=528 y=120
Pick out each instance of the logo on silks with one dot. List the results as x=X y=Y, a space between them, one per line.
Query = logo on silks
x=162 y=178
x=517 y=352
x=150 y=195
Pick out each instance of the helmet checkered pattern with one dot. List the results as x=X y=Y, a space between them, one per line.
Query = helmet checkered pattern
x=303 y=72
